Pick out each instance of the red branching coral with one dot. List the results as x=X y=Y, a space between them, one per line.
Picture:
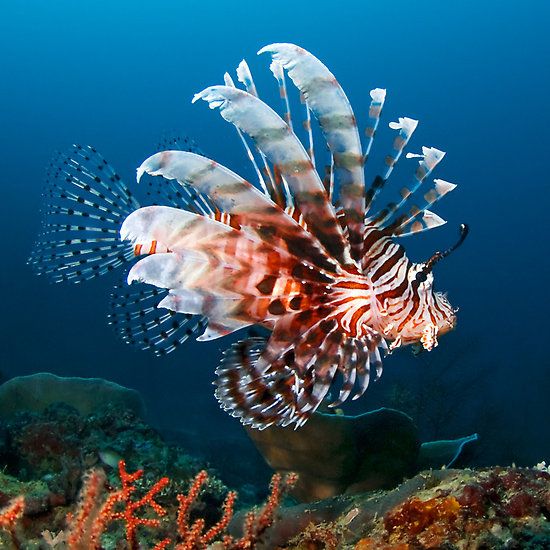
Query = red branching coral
x=87 y=523
x=130 y=507
x=94 y=513
x=191 y=536
x=256 y=523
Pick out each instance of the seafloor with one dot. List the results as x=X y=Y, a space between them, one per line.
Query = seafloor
x=63 y=485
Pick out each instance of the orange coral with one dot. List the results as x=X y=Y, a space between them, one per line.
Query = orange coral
x=257 y=523
x=86 y=524
x=130 y=507
x=427 y=520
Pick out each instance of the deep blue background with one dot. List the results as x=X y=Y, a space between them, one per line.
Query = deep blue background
x=119 y=74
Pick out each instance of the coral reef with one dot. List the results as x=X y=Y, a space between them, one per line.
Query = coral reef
x=45 y=455
x=63 y=486
x=498 y=508
x=97 y=509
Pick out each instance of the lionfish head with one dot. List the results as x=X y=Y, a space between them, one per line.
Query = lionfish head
x=437 y=316
x=433 y=315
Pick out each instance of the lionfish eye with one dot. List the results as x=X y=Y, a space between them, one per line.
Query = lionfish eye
x=421 y=276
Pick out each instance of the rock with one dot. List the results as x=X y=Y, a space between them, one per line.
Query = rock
x=34 y=393
x=338 y=454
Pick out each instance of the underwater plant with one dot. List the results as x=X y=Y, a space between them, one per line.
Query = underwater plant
x=314 y=261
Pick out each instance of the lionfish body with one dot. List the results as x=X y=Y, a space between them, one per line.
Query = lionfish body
x=308 y=259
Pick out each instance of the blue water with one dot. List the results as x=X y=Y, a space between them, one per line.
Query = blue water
x=119 y=74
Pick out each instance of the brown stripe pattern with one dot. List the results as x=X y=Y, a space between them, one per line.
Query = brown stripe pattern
x=302 y=258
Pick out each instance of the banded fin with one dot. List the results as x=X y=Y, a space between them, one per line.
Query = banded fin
x=200 y=238
x=85 y=204
x=136 y=319
x=418 y=223
x=429 y=159
x=245 y=77
x=185 y=197
x=280 y=145
x=262 y=396
x=405 y=127
x=262 y=182
x=378 y=97
x=170 y=194
x=271 y=382
x=277 y=69
x=232 y=194
x=247 y=392
x=195 y=289
x=215 y=270
x=222 y=314
x=196 y=241
x=419 y=218
x=307 y=127
x=329 y=103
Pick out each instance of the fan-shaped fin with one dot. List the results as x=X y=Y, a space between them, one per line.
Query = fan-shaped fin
x=85 y=203
x=224 y=314
x=196 y=288
x=284 y=381
x=273 y=136
x=223 y=252
x=134 y=315
x=182 y=231
x=231 y=194
x=248 y=392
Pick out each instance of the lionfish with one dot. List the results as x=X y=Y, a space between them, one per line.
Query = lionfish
x=306 y=257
